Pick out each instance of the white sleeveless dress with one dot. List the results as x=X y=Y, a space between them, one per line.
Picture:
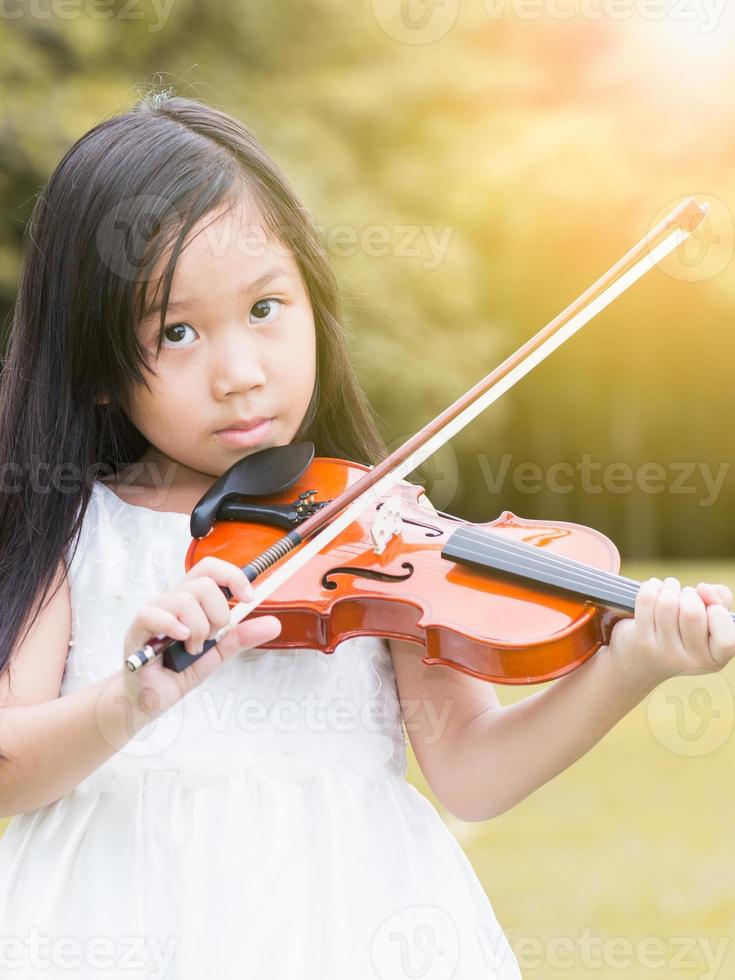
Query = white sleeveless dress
x=262 y=828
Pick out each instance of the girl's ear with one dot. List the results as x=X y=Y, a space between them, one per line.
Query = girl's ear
x=103 y=400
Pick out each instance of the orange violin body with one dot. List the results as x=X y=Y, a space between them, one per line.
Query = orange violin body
x=491 y=626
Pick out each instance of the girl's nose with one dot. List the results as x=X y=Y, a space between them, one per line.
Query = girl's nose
x=236 y=364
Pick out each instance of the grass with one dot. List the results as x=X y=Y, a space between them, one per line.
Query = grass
x=625 y=861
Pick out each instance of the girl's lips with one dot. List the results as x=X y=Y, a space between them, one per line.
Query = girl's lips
x=242 y=438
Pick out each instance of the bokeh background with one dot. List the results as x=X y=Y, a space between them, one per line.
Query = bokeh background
x=473 y=166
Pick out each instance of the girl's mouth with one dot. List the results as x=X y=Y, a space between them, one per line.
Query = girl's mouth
x=243 y=438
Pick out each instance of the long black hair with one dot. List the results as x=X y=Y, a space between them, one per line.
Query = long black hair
x=123 y=194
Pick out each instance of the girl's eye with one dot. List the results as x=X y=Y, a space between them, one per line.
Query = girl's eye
x=175 y=332
x=265 y=310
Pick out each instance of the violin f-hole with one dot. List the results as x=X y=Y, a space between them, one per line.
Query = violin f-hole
x=365 y=573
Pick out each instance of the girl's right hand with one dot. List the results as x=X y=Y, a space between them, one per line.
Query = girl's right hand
x=192 y=611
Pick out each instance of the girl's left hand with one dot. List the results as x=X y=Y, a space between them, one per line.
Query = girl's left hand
x=674 y=631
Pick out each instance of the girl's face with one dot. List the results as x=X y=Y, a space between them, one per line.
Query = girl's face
x=238 y=345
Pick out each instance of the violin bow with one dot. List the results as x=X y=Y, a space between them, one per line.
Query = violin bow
x=330 y=520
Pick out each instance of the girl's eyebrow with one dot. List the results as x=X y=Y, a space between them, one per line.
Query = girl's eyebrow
x=252 y=287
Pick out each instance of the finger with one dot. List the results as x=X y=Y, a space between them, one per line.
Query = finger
x=149 y=621
x=621 y=633
x=224 y=573
x=694 y=626
x=715 y=594
x=666 y=616
x=645 y=603
x=249 y=634
x=721 y=635
x=212 y=601
x=189 y=610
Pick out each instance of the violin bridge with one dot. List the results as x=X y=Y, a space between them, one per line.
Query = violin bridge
x=387 y=524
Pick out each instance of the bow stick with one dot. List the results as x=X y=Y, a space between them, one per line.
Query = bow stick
x=330 y=520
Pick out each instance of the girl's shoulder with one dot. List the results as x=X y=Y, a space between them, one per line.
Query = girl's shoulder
x=145 y=498
x=113 y=528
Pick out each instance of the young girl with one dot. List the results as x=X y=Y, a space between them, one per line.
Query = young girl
x=249 y=816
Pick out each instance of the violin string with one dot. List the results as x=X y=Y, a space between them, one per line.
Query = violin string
x=468 y=530
x=559 y=563
x=568 y=580
x=535 y=551
x=541 y=560
x=586 y=577
x=607 y=579
x=572 y=584
x=575 y=573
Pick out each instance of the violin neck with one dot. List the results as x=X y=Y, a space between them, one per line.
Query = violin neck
x=493 y=552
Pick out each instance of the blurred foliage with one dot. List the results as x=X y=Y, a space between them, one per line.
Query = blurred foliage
x=518 y=159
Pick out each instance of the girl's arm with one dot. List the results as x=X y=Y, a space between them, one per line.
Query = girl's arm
x=481 y=759
x=53 y=746
x=53 y=742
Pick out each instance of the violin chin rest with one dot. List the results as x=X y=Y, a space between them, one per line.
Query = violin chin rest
x=266 y=472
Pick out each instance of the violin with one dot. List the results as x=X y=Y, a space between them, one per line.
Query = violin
x=338 y=549
x=471 y=594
